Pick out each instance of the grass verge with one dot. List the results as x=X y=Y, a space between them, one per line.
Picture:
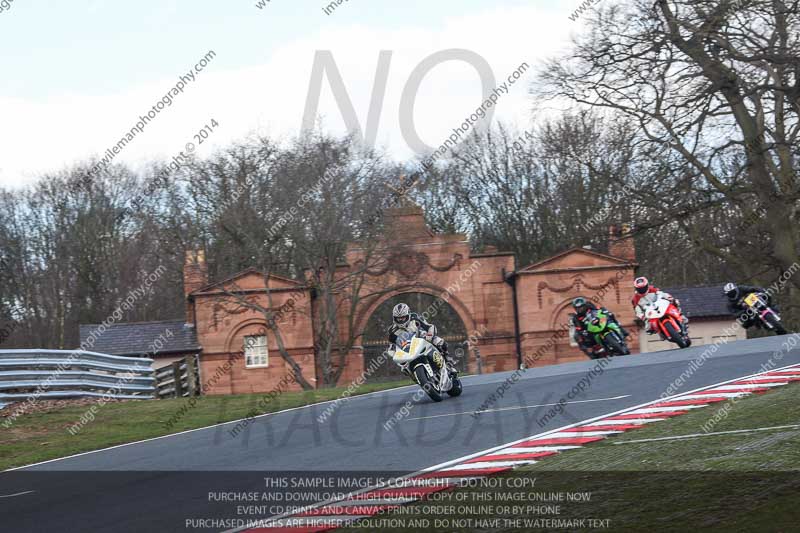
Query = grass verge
x=38 y=437
x=744 y=481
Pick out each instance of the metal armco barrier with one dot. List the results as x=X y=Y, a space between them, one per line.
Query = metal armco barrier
x=63 y=374
x=178 y=379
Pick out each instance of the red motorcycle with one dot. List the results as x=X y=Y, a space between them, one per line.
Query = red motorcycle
x=664 y=317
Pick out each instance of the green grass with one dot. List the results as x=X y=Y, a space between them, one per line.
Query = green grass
x=735 y=482
x=770 y=450
x=38 y=437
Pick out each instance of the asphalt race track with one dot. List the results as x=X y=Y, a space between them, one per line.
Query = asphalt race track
x=157 y=485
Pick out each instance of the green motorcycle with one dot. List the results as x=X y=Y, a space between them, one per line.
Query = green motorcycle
x=606 y=333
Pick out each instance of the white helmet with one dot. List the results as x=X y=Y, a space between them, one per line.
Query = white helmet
x=731 y=290
x=401 y=314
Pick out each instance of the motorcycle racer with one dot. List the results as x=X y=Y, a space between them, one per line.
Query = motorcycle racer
x=642 y=288
x=404 y=320
x=736 y=293
x=586 y=341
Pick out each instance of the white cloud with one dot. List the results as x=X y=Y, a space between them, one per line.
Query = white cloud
x=269 y=98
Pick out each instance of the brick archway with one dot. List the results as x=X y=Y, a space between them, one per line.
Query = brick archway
x=447 y=318
x=244 y=326
x=459 y=307
x=561 y=314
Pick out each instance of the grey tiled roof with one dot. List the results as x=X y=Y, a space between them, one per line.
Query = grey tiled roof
x=702 y=302
x=136 y=338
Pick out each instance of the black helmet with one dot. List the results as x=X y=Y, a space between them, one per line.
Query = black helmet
x=731 y=290
x=580 y=305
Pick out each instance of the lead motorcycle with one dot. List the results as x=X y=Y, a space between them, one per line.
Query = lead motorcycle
x=664 y=317
x=420 y=359
x=756 y=305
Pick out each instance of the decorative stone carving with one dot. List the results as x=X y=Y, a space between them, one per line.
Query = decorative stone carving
x=409 y=264
x=225 y=311
x=577 y=284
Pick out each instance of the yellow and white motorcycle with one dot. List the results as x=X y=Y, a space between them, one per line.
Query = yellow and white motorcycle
x=419 y=358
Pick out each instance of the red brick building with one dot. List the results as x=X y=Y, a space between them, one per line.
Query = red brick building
x=469 y=296
x=493 y=314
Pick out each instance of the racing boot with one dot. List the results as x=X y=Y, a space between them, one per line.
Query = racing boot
x=451 y=367
x=598 y=352
x=621 y=328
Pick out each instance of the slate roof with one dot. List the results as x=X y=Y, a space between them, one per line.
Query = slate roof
x=706 y=301
x=136 y=338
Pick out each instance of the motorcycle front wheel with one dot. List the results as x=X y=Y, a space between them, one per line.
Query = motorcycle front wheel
x=456 y=389
x=614 y=346
x=675 y=336
x=427 y=385
x=775 y=324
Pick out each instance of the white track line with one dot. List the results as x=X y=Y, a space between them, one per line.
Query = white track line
x=17 y=494
x=637 y=421
x=745 y=386
x=312 y=521
x=579 y=434
x=667 y=409
x=534 y=449
x=273 y=521
x=695 y=435
x=488 y=464
x=411 y=483
x=715 y=395
x=356 y=397
x=376 y=501
x=517 y=408
x=455 y=480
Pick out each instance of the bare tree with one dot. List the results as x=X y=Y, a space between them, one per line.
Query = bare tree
x=535 y=192
x=291 y=211
x=714 y=90
x=341 y=187
x=69 y=257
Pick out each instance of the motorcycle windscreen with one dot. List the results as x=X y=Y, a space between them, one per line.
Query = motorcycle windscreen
x=418 y=346
x=657 y=309
x=404 y=344
x=596 y=324
x=751 y=299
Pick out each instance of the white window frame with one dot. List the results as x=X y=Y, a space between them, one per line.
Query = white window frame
x=258 y=349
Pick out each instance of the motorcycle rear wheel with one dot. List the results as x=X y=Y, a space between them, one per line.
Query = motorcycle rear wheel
x=427 y=385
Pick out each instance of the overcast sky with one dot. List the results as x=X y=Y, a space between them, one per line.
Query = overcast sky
x=78 y=74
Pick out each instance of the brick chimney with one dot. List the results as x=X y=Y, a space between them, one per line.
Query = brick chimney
x=406 y=223
x=195 y=276
x=620 y=242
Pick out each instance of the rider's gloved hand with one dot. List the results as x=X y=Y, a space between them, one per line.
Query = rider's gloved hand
x=429 y=337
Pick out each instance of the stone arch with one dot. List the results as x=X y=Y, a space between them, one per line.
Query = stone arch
x=555 y=323
x=366 y=313
x=377 y=318
x=236 y=331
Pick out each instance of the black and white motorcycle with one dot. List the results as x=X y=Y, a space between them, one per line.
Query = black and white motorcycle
x=420 y=359
x=757 y=306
